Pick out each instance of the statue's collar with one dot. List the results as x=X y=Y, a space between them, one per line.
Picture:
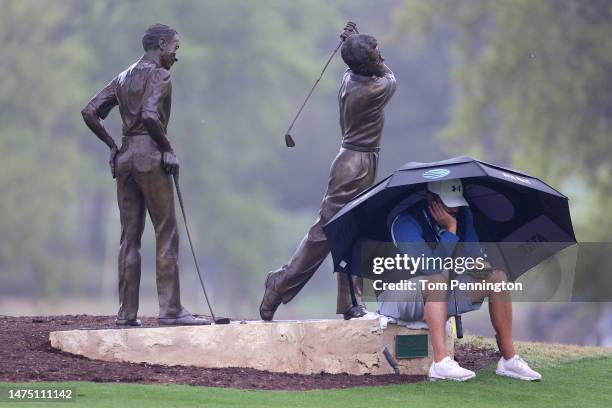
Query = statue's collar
x=149 y=59
x=360 y=77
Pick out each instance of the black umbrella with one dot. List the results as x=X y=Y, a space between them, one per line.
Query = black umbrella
x=508 y=207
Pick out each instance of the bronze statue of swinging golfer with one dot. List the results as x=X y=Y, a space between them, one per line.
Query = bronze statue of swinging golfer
x=143 y=168
x=366 y=88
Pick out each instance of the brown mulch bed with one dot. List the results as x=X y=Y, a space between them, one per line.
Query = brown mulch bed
x=26 y=355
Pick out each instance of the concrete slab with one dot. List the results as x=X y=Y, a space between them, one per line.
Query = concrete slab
x=303 y=347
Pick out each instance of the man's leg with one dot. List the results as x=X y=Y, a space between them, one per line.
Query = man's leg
x=159 y=198
x=132 y=215
x=157 y=188
x=291 y=278
x=350 y=175
x=500 y=312
x=283 y=284
x=344 y=301
x=363 y=166
x=436 y=315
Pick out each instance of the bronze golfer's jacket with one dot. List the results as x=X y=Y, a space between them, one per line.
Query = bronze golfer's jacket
x=361 y=100
x=144 y=90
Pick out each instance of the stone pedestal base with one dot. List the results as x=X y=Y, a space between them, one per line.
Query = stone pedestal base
x=303 y=347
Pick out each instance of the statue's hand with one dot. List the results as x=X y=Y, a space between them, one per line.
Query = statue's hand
x=111 y=161
x=349 y=29
x=170 y=162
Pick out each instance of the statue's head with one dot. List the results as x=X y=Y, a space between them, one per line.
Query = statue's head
x=360 y=52
x=164 y=41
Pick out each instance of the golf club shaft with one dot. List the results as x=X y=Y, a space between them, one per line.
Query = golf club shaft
x=391 y=360
x=458 y=323
x=459 y=326
x=195 y=260
x=313 y=87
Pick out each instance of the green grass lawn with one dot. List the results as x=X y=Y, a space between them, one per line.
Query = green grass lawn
x=585 y=383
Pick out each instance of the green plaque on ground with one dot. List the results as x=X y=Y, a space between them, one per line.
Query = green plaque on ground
x=411 y=346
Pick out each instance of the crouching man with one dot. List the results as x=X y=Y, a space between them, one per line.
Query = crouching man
x=445 y=219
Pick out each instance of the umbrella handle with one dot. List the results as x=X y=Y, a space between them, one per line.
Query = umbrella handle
x=458 y=326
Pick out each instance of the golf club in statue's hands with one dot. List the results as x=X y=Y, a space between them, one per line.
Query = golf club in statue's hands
x=350 y=28
x=220 y=320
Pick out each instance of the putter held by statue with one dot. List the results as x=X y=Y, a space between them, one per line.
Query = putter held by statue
x=143 y=168
x=366 y=88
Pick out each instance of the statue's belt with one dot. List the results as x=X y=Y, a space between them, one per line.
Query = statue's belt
x=367 y=149
x=140 y=138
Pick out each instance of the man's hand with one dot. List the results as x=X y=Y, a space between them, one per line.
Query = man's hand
x=349 y=29
x=111 y=161
x=170 y=162
x=443 y=218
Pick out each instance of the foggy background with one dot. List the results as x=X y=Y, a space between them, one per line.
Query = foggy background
x=516 y=82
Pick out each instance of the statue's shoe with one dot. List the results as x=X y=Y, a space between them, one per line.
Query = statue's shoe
x=355 y=312
x=188 y=320
x=128 y=322
x=271 y=300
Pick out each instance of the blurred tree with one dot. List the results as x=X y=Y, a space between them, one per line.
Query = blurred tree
x=533 y=84
x=41 y=80
x=533 y=89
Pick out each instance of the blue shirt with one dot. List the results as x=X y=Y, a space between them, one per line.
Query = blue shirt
x=407 y=231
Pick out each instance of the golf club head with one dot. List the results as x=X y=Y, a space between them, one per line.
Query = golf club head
x=289 y=140
x=222 y=320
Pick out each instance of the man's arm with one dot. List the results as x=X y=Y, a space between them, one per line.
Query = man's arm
x=341 y=93
x=94 y=113
x=408 y=237
x=382 y=88
x=388 y=84
x=97 y=109
x=158 y=88
x=387 y=72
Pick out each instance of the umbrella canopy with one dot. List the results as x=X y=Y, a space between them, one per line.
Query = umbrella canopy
x=509 y=207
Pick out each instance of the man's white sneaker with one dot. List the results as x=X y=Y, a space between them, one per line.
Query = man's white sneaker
x=449 y=369
x=516 y=367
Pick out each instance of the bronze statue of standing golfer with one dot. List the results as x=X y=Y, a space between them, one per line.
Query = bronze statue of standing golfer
x=143 y=168
x=366 y=88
